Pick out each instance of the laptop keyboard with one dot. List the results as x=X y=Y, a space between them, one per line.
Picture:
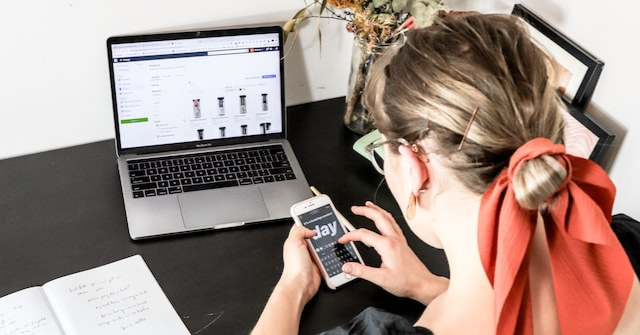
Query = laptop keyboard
x=195 y=172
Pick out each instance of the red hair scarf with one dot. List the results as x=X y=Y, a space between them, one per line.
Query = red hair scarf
x=592 y=275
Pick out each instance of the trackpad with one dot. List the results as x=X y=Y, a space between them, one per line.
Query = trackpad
x=219 y=207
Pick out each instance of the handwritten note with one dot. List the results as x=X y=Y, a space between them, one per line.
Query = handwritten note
x=118 y=305
x=118 y=298
x=27 y=313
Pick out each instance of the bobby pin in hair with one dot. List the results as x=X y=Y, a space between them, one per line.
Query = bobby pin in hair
x=464 y=137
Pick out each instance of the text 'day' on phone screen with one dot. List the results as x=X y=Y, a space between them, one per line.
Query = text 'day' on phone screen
x=328 y=230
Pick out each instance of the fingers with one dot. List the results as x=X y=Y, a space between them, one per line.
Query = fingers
x=362 y=235
x=296 y=248
x=385 y=223
x=300 y=232
x=297 y=238
x=368 y=273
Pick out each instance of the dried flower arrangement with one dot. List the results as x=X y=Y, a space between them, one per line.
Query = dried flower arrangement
x=374 y=21
x=375 y=25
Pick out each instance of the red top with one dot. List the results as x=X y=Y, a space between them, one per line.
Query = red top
x=592 y=275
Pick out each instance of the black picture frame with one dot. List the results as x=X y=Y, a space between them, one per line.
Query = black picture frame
x=584 y=136
x=582 y=69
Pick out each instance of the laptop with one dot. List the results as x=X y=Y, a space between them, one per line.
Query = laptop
x=200 y=126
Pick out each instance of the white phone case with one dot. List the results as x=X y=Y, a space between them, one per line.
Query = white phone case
x=319 y=214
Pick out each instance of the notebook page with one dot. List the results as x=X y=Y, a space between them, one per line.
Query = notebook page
x=122 y=297
x=27 y=312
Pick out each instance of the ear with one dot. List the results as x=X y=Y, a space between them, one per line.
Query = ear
x=416 y=168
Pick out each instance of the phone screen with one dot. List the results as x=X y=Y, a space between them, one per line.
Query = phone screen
x=328 y=229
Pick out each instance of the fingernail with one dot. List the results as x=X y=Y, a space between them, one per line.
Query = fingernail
x=347 y=268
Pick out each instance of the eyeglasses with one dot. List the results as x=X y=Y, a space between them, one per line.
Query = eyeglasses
x=376 y=158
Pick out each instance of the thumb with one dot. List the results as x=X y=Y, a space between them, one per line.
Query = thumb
x=361 y=271
x=301 y=232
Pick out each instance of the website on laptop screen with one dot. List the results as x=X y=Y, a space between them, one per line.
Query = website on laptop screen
x=197 y=89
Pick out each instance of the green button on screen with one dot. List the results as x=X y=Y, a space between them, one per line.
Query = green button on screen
x=138 y=120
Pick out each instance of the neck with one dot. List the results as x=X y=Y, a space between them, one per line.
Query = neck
x=454 y=225
x=456 y=220
x=447 y=216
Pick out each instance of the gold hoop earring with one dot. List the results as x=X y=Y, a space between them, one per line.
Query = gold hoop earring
x=411 y=207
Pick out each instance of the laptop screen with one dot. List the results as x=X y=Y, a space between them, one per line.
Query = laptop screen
x=197 y=87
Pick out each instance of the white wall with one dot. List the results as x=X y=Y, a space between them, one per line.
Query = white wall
x=54 y=80
x=54 y=88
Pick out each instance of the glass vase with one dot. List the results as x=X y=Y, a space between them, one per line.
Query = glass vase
x=356 y=117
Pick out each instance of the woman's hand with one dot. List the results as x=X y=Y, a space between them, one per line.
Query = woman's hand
x=401 y=272
x=300 y=272
x=299 y=282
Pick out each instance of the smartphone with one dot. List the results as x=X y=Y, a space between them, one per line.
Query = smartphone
x=319 y=214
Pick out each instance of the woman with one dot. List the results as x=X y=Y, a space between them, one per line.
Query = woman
x=472 y=132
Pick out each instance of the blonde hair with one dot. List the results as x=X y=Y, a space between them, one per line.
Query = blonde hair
x=430 y=87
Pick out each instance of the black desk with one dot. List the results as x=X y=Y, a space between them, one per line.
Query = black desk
x=61 y=212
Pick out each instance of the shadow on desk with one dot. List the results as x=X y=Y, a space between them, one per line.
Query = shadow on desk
x=62 y=212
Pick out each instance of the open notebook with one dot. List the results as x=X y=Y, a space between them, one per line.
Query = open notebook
x=122 y=297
